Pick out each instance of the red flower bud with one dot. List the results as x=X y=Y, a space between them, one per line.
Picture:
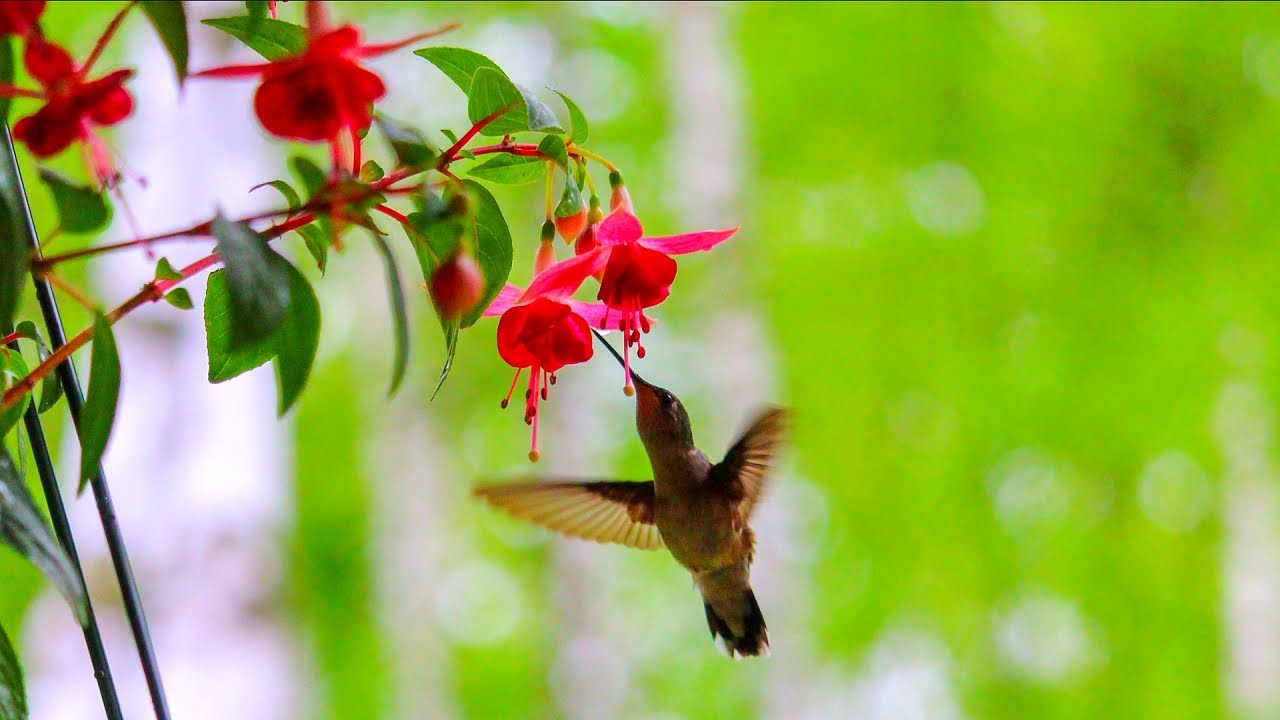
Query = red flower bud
x=456 y=286
x=570 y=225
x=586 y=240
x=546 y=257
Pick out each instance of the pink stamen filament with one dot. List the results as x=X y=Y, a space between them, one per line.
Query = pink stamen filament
x=511 y=391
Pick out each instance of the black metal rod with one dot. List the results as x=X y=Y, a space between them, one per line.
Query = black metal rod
x=62 y=528
x=106 y=510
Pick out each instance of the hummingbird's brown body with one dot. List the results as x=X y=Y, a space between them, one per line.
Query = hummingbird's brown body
x=696 y=509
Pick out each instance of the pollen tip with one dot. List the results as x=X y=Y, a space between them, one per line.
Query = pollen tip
x=629 y=391
x=505 y=403
x=534 y=456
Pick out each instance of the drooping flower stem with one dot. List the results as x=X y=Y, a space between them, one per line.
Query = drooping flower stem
x=76 y=293
x=551 y=190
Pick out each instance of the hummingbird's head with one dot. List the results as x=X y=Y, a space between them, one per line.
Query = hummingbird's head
x=660 y=417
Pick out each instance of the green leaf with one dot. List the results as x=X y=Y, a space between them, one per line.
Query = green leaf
x=399 y=313
x=492 y=247
x=14 y=254
x=312 y=177
x=450 y=349
x=272 y=39
x=554 y=148
x=100 y=404
x=290 y=195
x=511 y=169
x=81 y=209
x=459 y=64
x=165 y=271
x=24 y=529
x=317 y=242
x=451 y=135
x=490 y=92
x=12 y=369
x=577 y=119
x=180 y=298
x=226 y=361
x=371 y=171
x=6 y=74
x=296 y=341
x=13 y=693
x=170 y=21
x=570 y=200
x=258 y=279
x=435 y=238
x=50 y=387
x=409 y=144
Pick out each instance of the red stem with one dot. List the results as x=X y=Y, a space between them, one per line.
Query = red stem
x=393 y=214
x=107 y=34
x=452 y=153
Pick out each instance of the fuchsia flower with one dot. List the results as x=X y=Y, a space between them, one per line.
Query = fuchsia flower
x=73 y=107
x=638 y=271
x=318 y=94
x=544 y=329
x=19 y=17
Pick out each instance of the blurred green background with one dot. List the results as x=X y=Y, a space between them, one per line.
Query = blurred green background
x=1014 y=267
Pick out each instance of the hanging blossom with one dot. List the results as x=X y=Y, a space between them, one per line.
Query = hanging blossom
x=73 y=106
x=20 y=17
x=638 y=271
x=544 y=329
x=318 y=94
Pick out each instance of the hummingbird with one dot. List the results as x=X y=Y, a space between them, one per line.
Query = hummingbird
x=697 y=510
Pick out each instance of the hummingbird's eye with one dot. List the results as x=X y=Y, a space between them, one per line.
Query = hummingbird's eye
x=668 y=399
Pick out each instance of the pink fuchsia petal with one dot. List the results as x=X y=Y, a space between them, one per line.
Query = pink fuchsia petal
x=618 y=228
x=233 y=71
x=565 y=277
x=506 y=298
x=689 y=242
x=599 y=316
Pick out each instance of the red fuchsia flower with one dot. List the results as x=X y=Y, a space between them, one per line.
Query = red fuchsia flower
x=73 y=107
x=318 y=94
x=543 y=329
x=638 y=272
x=20 y=17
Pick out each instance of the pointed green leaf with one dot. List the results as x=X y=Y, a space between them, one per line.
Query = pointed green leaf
x=554 y=148
x=81 y=209
x=170 y=21
x=272 y=39
x=459 y=64
x=577 y=119
x=14 y=254
x=50 y=387
x=165 y=271
x=492 y=243
x=490 y=92
x=371 y=171
x=13 y=693
x=541 y=118
x=312 y=177
x=450 y=349
x=399 y=313
x=511 y=169
x=6 y=74
x=296 y=341
x=226 y=361
x=317 y=242
x=570 y=200
x=434 y=238
x=409 y=144
x=99 y=413
x=180 y=298
x=290 y=195
x=24 y=529
x=451 y=135
x=12 y=369
x=258 y=279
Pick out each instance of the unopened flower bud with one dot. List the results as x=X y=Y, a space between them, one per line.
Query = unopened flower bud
x=619 y=197
x=546 y=257
x=456 y=286
x=586 y=241
x=570 y=225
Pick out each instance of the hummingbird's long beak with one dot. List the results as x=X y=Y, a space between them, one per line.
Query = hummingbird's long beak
x=634 y=377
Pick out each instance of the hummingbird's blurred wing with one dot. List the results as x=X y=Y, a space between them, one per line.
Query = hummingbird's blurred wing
x=745 y=468
x=605 y=511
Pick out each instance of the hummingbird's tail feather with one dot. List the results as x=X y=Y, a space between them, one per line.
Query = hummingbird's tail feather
x=734 y=616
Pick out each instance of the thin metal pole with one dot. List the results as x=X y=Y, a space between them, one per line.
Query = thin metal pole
x=62 y=528
x=106 y=510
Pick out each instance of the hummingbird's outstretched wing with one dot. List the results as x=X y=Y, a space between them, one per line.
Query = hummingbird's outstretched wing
x=605 y=511
x=745 y=468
